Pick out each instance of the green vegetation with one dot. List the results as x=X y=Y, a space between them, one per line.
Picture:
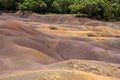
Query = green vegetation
x=100 y=9
x=33 y=5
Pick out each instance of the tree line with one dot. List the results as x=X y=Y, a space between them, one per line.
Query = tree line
x=99 y=9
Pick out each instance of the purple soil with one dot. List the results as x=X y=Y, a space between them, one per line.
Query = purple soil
x=15 y=33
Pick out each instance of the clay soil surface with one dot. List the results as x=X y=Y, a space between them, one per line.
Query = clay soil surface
x=51 y=47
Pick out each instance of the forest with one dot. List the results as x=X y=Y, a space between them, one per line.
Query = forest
x=98 y=9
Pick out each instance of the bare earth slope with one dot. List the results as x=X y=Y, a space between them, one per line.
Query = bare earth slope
x=96 y=67
x=29 y=46
x=55 y=75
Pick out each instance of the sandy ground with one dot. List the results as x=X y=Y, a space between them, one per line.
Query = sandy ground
x=51 y=47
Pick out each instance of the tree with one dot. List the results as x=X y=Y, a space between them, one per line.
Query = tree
x=49 y=5
x=33 y=5
x=100 y=9
x=62 y=6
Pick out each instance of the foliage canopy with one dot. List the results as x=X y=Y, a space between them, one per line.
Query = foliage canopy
x=100 y=9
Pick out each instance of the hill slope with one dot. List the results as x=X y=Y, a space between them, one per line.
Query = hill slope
x=33 y=50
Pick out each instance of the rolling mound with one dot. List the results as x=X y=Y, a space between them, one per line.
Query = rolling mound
x=25 y=42
x=28 y=48
x=114 y=43
x=19 y=48
x=54 y=75
x=98 y=33
x=70 y=49
x=17 y=26
x=96 y=67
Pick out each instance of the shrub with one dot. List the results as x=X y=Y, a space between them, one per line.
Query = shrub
x=33 y=5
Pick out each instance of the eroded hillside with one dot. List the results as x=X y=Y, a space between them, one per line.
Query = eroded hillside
x=37 y=46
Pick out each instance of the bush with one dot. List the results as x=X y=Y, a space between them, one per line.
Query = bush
x=100 y=9
x=61 y=6
x=33 y=5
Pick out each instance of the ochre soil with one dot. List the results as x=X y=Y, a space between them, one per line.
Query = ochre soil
x=51 y=47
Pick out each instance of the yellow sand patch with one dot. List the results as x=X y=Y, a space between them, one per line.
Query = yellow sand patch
x=54 y=75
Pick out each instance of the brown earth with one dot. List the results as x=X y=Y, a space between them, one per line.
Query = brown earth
x=96 y=67
x=55 y=75
x=36 y=43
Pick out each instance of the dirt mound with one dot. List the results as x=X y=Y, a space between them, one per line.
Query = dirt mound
x=66 y=19
x=20 y=47
x=96 y=67
x=83 y=50
x=28 y=45
x=17 y=26
x=13 y=56
x=98 y=33
x=55 y=75
x=114 y=43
